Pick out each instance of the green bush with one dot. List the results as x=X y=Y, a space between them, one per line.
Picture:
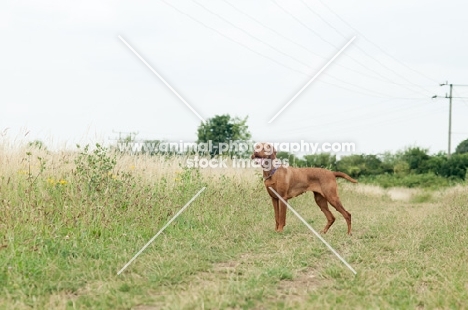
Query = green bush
x=95 y=169
x=427 y=180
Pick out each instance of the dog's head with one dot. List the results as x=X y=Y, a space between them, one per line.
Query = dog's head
x=264 y=150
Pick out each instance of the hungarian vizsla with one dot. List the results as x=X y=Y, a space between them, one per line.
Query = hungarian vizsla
x=290 y=182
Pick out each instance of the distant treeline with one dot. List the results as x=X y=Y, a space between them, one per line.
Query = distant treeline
x=412 y=167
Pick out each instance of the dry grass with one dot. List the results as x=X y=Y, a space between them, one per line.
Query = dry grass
x=398 y=193
x=61 y=244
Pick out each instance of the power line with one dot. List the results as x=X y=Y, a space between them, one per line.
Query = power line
x=232 y=40
x=320 y=36
x=273 y=30
x=360 y=117
x=326 y=41
x=321 y=18
x=304 y=47
x=303 y=24
x=450 y=97
x=362 y=125
x=371 y=42
x=368 y=107
x=250 y=49
x=348 y=89
x=363 y=51
x=250 y=35
x=462 y=98
x=380 y=95
x=272 y=47
x=354 y=59
x=397 y=121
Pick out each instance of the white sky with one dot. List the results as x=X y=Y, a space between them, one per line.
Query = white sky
x=65 y=76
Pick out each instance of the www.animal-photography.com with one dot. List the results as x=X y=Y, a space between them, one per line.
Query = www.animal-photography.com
x=229 y=154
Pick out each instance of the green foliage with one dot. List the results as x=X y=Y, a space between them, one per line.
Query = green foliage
x=293 y=160
x=224 y=129
x=401 y=168
x=416 y=158
x=462 y=148
x=189 y=179
x=37 y=144
x=412 y=167
x=435 y=163
x=427 y=180
x=422 y=197
x=151 y=147
x=361 y=165
x=32 y=177
x=95 y=169
x=63 y=251
x=42 y=165
x=455 y=166
x=323 y=160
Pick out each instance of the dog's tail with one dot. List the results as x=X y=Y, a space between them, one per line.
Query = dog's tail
x=344 y=176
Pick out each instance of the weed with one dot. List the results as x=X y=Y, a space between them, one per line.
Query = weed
x=70 y=221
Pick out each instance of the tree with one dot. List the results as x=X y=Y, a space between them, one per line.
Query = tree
x=462 y=148
x=225 y=129
x=353 y=165
x=151 y=147
x=359 y=164
x=293 y=160
x=322 y=160
x=416 y=158
x=455 y=167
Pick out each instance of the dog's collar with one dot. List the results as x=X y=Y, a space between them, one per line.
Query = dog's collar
x=272 y=172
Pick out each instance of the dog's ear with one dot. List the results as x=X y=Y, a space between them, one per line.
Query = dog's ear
x=273 y=154
x=269 y=150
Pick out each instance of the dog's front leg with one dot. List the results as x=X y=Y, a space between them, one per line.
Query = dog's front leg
x=282 y=215
x=276 y=207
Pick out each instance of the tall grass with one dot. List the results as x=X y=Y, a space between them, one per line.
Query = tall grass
x=70 y=220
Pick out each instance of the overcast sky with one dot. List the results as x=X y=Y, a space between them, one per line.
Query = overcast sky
x=66 y=77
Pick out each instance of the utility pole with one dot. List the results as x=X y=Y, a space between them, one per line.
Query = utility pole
x=449 y=151
x=132 y=135
x=450 y=123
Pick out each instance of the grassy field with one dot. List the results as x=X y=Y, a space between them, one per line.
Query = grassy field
x=70 y=221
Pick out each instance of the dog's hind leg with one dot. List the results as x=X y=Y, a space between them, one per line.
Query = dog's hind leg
x=322 y=203
x=335 y=202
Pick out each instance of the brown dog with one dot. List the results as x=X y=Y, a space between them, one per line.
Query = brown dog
x=290 y=182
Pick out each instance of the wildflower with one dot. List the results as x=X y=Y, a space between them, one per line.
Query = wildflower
x=62 y=182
